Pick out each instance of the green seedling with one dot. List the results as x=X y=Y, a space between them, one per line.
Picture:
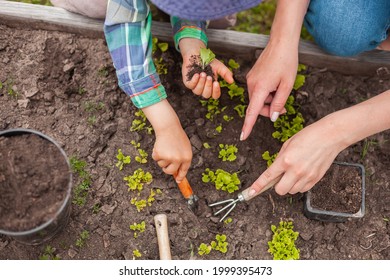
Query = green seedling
x=269 y=158
x=139 y=204
x=233 y=65
x=139 y=123
x=159 y=63
x=92 y=107
x=49 y=254
x=138 y=179
x=220 y=244
x=236 y=91
x=138 y=228
x=81 y=190
x=227 y=152
x=9 y=85
x=103 y=72
x=206 y=145
x=282 y=246
x=122 y=159
x=240 y=109
x=206 y=57
x=136 y=254
x=143 y=155
x=212 y=106
x=228 y=220
x=300 y=78
x=227 y=118
x=84 y=236
x=289 y=124
x=204 y=249
x=222 y=179
x=96 y=208
x=219 y=128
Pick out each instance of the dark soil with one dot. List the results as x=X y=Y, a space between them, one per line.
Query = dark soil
x=340 y=190
x=62 y=78
x=33 y=181
x=195 y=67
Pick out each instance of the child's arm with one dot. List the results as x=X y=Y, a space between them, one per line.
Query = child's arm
x=190 y=37
x=128 y=34
x=172 y=149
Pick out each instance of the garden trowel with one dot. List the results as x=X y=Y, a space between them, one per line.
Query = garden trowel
x=187 y=192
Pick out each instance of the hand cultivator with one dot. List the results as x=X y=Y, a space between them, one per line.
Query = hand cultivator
x=229 y=204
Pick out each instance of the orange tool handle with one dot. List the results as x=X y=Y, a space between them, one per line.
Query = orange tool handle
x=185 y=188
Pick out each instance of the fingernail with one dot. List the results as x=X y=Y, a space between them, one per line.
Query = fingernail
x=274 y=116
x=242 y=135
x=252 y=192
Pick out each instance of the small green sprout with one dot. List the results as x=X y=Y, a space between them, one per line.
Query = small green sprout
x=206 y=57
x=227 y=152
x=222 y=179
x=236 y=91
x=270 y=159
x=219 y=128
x=143 y=155
x=138 y=228
x=240 y=109
x=220 y=244
x=138 y=179
x=300 y=78
x=282 y=246
x=139 y=204
x=81 y=190
x=49 y=254
x=122 y=159
x=233 y=65
x=206 y=145
x=227 y=118
x=212 y=106
x=139 y=123
x=136 y=254
x=204 y=249
x=228 y=221
x=96 y=208
x=84 y=235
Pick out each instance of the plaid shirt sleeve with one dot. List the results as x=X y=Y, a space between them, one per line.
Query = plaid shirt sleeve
x=128 y=34
x=188 y=29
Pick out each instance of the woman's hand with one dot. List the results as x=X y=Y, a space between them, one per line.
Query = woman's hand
x=201 y=84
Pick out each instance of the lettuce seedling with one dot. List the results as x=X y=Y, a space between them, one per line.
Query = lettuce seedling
x=220 y=244
x=139 y=204
x=138 y=179
x=222 y=179
x=236 y=91
x=139 y=123
x=136 y=254
x=206 y=57
x=227 y=152
x=143 y=155
x=212 y=106
x=282 y=246
x=267 y=157
x=233 y=65
x=122 y=159
x=138 y=228
x=204 y=249
x=240 y=109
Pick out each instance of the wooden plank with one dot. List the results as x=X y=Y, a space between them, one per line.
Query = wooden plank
x=226 y=42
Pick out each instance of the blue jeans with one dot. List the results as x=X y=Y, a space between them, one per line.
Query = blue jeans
x=348 y=27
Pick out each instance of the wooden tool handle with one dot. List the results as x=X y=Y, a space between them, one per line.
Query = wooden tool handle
x=161 y=223
x=185 y=188
x=246 y=195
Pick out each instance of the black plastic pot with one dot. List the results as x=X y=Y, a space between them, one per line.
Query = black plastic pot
x=50 y=228
x=334 y=216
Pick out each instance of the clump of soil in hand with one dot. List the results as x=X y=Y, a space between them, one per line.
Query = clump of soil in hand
x=340 y=190
x=196 y=67
x=33 y=181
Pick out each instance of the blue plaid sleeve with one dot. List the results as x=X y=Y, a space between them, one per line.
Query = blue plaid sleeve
x=188 y=29
x=128 y=34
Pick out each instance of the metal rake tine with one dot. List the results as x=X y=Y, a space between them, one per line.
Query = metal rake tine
x=228 y=212
x=221 y=202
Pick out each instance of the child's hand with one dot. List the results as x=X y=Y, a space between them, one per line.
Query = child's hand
x=172 y=150
x=201 y=84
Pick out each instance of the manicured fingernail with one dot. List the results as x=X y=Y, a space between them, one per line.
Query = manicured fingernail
x=242 y=136
x=274 y=116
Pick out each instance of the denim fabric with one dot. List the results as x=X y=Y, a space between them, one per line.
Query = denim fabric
x=348 y=27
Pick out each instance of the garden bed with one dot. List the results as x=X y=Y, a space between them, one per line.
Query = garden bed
x=64 y=85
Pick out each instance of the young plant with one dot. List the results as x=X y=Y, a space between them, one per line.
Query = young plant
x=212 y=106
x=161 y=67
x=289 y=124
x=219 y=128
x=269 y=158
x=227 y=152
x=220 y=244
x=138 y=179
x=122 y=159
x=282 y=246
x=206 y=145
x=227 y=118
x=143 y=155
x=222 y=179
x=138 y=228
x=240 y=109
x=300 y=78
x=84 y=235
x=81 y=190
x=139 y=123
x=204 y=249
x=136 y=254
x=233 y=65
x=236 y=91
x=139 y=204
x=206 y=57
x=49 y=254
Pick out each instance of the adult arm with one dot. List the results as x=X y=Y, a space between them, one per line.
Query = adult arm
x=305 y=157
x=271 y=79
